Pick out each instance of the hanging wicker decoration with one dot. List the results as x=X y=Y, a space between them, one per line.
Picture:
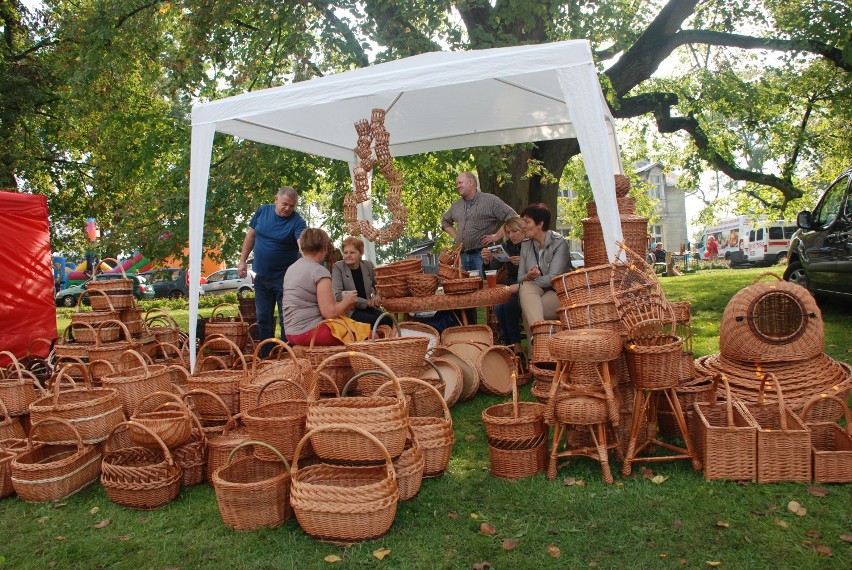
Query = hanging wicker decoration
x=372 y=136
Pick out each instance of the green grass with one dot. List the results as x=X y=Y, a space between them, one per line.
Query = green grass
x=682 y=523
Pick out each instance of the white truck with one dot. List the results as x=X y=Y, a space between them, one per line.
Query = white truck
x=769 y=241
x=730 y=237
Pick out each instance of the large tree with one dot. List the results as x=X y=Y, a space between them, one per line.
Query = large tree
x=104 y=128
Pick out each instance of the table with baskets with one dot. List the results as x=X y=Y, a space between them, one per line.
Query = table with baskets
x=471 y=300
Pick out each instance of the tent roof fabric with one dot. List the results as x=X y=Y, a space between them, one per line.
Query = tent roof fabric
x=433 y=101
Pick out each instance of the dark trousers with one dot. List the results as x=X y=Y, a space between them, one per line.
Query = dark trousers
x=268 y=292
x=509 y=317
x=367 y=315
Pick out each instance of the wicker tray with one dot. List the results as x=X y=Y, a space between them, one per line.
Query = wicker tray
x=461 y=286
x=480 y=298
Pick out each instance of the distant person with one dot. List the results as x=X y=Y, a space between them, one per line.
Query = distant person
x=712 y=247
x=353 y=273
x=509 y=313
x=308 y=294
x=273 y=235
x=659 y=254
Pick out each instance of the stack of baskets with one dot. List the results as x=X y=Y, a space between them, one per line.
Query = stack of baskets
x=392 y=279
x=517 y=438
x=634 y=228
x=449 y=263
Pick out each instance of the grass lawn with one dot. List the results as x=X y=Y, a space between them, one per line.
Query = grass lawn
x=685 y=522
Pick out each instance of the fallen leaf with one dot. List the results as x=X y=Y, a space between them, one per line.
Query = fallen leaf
x=619 y=484
x=552 y=531
x=41 y=520
x=122 y=538
x=781 y=523
x=813 y=534
x=554 y=551
x=714 y=563
x=510 y=544
x=818 y=491
x=104 y=523
x=796 y=508
x=332 y=558
x=381 y=553
x=823 y=550
x=647 y=472
x=746 y=539
x=663 y=555
x=481 y=566
x=474 y=516
x=94 y=510
x=846 y=537
x=60 y=538
x=470 y=437
x=487 y=528
x=59 y=505
x=453 y=515
x=143 y=520
x=722 y=524
x=580 y=483
x=51 y=564
x=683 y=561
x=677 y=525
x=593 y=564
x=659 y=479
x=808 y=543
x=569 y=481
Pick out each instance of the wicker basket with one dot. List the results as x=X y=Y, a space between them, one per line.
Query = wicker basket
x=19 y=389
x=252 y=492
x=497 y=367
x=404 y=355
x=344 y=504
x=726 y=437
x=385 y=417
x=232 y=327
x=111 y=351
x=93 y=412
x=164 y=414
x=138 y=477
x=398 y=268
x=49 y=472
x=339 y=370
x=164 y=328
x=471 y=333
x=6 y=457
x=192 y=456
x=461 y=286
x=469 y=352
x=414 y=328
x=409 y=470
x=783 y=439
x=111 y=286
x=634 y=230
x=220 y=445
x=10 y=428
x=654 y=361
x=585 y=345
x=275 y=367
x=434 y=435
x=132 y=384
x=514 y=422
x=831 y=444
x=447 y=372
x=281 y=424
x=583 y=286
x=541 y=332
x=422 y=284
x=449 y=271
x=578 y=406
x=517 y=460
x=771 y=322
x=225 y=383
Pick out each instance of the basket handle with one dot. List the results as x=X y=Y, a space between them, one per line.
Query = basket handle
x=99 y=292
x=315 y=384
x=15 y=361
x=435 y=392
x=273 y=381
x=117 y=264
x=174 y=399
x=127 y=336
x=278 y=343
x=352 y=380
x=180 y=369
x=234 y=347
x=847 y=414
x=260 y=443
x=394 y=325
x=158 y=315
x=762 y=397
x=64 y=375
x=46 y=341
x=379 y=366
x=165 y=347
x=766 y=274
x=216 y=309
x=139 y=357
x=436 y=369
x=341 y=427
x=216 y=398
x=200 y=428
x=130 y=423
x=66 y=423
x=215 y=359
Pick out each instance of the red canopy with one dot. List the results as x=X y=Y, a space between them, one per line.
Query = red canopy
x=27 y=306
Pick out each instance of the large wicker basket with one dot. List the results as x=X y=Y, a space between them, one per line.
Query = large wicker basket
x=232 y=327
x=654 y=361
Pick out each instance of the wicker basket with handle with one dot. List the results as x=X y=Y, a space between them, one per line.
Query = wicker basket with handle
x=434 y=435
x=654 y=361
x=514 y=421
x=10 y=428
x=19 y=389
x=831 y=444
x=232 y=327
x=279 y=423
x=225 y=383
x=339 y=370
x=166 y=415
x=132 y=384
x=404 y=355
x=409 y=469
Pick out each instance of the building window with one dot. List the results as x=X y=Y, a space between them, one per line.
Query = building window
x=657 y=186
x=656 y=233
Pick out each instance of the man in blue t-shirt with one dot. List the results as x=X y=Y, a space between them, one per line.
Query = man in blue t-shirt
x=273 y=234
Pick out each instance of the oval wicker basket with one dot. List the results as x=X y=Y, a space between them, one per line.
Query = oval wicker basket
x=583 y=285
x=461 y=286
x=514 y=421
x=422 y=284
x=585 y=345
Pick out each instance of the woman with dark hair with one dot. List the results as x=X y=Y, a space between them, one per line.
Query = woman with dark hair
x=352 y=273
x=544 y=255
x=509 y=313
x=308 y=296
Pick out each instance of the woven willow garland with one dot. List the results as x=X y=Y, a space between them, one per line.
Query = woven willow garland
x=372 y=136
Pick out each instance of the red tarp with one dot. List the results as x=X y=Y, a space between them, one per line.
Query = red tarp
x=27 y=307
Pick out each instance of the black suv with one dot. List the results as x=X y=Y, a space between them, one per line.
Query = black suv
x=168 y=282
x=820 y=256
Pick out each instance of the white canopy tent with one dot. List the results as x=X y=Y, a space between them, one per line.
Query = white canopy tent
x=434 y=101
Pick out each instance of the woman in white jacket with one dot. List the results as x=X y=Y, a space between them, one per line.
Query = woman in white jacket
x=353 y=273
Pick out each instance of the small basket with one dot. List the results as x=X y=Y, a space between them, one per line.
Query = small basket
x=422 y=284
x=192 y=456
x=462 y=286
x=220 y=445
x=10 y=428
x=253 y=493
x=449 y=271
x=654 y=361
x=339 y=370
x=726 y=437
x=585 y=345
x=225 y=383
x=783 y=439
x=344 y=503
x=541 y=331
x=578 y=406
x=404 y=355
x=392 y=290
x=111 y=286
x=138 y=477
x=18 y=393
x=434 y=435
x=514 y=422
x=831 y=445
x=517 y=460
x=6 y=457
x=49 y=472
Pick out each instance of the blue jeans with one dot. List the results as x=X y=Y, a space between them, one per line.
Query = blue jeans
x=472 y=262
x=509 y=316
x=268 y=292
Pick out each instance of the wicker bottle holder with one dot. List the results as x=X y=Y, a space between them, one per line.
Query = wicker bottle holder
x=344 y=503
x=138 y=477
x=831 y=444
x=253 y=493
x=49 y=471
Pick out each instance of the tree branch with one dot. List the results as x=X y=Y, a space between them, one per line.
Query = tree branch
x=349 y=39
x=141 y=8
x=396 y=32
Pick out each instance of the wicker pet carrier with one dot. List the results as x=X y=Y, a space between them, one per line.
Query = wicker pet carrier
x=253 y=492
x=831 y=444
x=771 y=321
x=344 y=503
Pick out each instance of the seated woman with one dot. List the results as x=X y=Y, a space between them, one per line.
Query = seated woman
x=308 y=297
x=355 y=274
x=509 y=313
x=544 y=255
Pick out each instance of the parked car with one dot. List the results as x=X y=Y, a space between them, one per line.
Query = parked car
x=226 y=280
x=169 y=282
x=69 y=296
x=578 y=260
x=820 y=256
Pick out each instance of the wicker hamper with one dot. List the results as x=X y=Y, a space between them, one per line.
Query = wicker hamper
x=831 y=444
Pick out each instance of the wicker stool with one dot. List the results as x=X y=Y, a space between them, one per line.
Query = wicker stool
x=582 y=397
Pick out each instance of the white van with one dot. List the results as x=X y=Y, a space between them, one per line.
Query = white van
x=768 y=242
x=730 y=236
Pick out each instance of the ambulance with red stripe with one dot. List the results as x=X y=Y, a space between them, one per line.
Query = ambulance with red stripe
x=769 y=241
